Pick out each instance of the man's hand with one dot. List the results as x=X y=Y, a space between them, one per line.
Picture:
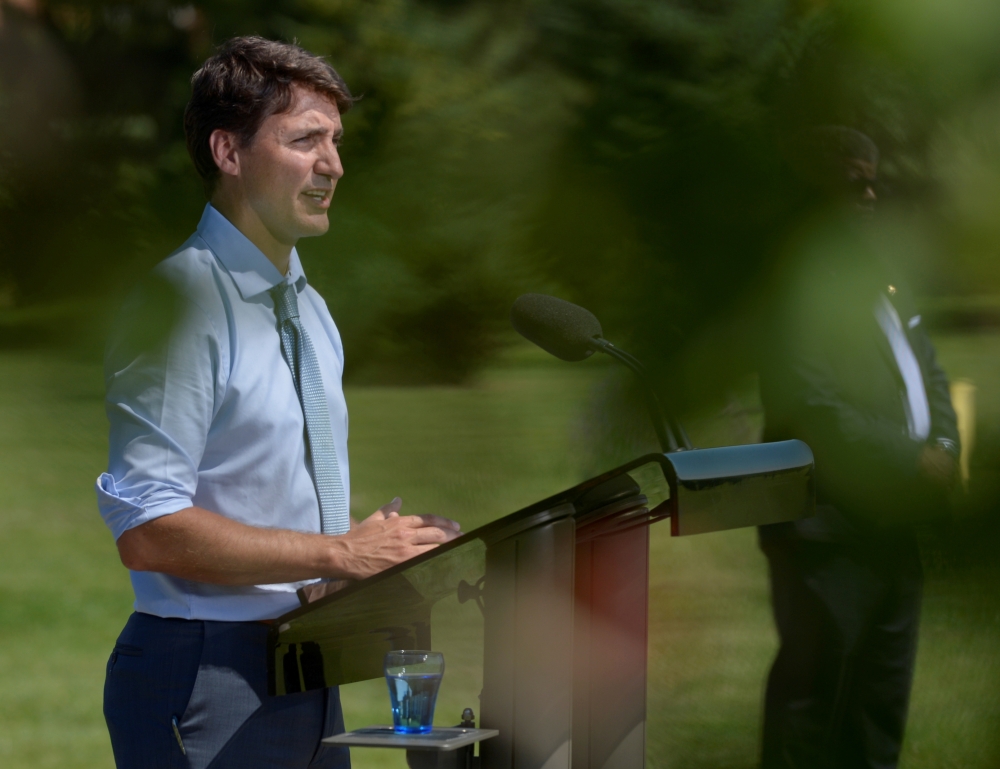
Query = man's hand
x=937 y=465
x=386 y=538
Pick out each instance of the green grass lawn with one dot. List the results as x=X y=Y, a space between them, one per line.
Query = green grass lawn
x=474 y=454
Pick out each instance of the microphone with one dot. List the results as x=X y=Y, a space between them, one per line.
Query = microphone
x=559 y=327
x=573 y=333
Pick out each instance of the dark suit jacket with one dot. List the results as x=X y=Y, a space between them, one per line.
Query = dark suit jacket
x=829 y=378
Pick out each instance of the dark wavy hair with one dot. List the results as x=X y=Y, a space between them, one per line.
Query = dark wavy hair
x=245 y=82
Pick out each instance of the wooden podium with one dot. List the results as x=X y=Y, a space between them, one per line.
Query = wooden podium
x=563 y=588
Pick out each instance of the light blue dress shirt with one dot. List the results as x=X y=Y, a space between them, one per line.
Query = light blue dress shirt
x=205 y=412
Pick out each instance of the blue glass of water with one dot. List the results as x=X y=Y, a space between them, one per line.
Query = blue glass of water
x=413 y=678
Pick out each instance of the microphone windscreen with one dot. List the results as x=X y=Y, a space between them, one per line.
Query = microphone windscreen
x=557 y=326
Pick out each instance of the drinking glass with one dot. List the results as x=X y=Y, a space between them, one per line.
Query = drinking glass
x=413 y=678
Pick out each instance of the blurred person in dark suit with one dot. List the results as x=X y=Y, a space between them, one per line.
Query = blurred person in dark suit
x=851 y=371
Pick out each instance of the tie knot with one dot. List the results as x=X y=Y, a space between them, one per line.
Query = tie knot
x=286 y=304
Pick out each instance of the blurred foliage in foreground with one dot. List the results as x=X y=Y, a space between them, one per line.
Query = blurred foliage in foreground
x=627 y=155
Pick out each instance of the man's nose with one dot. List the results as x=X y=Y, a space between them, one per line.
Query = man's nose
x=329 y=163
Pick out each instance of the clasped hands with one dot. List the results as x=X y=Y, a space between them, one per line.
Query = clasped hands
x=384 y=539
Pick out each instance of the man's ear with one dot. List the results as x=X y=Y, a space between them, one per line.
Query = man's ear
x=225 y=151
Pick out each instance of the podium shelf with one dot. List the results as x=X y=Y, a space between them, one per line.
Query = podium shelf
x=444 y=739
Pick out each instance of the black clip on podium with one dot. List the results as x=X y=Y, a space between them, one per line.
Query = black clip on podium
x=563 y=586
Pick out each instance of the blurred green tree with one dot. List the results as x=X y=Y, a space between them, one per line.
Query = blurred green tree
x=628 y=155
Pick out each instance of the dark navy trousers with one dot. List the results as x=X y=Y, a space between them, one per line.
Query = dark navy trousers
x=848 y=617
x=210 y=678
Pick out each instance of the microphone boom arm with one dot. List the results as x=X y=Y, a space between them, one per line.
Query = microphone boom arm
x=667 y=429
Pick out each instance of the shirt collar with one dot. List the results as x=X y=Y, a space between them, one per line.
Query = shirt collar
x=252 y=272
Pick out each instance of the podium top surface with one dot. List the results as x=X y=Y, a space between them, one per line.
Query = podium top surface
x=444 y=739
x=437 y=573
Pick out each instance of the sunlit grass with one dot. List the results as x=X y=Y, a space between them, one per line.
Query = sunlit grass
x=473 y=454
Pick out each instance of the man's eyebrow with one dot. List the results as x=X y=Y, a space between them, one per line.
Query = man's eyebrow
x=311 y=132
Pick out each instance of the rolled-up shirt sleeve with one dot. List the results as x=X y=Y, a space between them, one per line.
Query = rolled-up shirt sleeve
x=163 y=371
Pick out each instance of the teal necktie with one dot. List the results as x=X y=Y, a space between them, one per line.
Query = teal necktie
x=320 y=450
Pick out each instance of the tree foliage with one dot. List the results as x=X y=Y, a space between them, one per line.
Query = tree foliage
x=628 y=154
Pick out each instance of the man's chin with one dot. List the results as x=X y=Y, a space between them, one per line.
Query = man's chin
x=313 y=225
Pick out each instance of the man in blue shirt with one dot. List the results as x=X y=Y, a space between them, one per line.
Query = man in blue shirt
x=227 y=483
